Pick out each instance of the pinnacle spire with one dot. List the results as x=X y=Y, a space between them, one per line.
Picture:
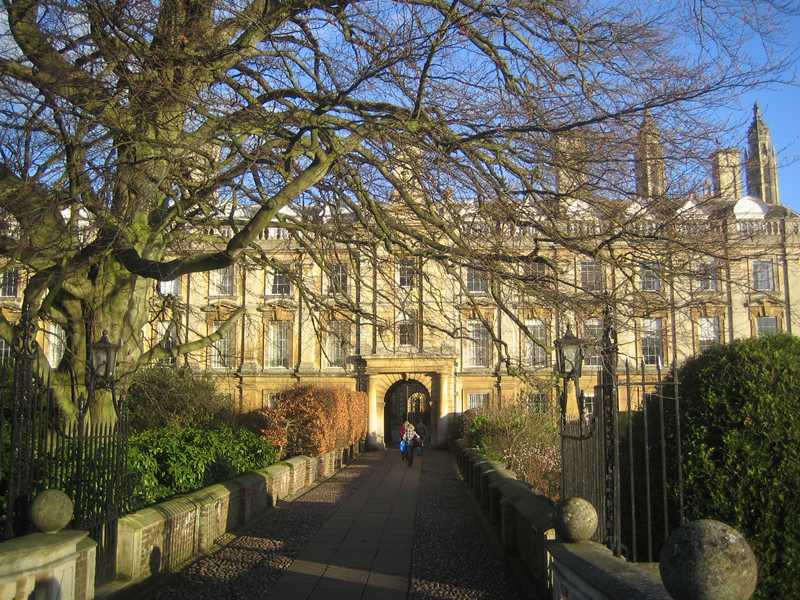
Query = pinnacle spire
x=762 y=163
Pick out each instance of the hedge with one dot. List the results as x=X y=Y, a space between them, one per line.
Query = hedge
x=741 y=438
x=172 y=460
x=312 y=420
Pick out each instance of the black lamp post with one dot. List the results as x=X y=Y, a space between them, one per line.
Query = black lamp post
x=569 y=362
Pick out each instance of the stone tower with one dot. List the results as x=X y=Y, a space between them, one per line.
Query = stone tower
x=762 y=165
x=726 y=173
x=649 y=158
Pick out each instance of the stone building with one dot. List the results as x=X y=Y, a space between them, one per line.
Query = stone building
x=425 y=340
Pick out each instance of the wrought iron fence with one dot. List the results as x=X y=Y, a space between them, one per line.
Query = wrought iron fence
x=43 y=448
x=625 y=458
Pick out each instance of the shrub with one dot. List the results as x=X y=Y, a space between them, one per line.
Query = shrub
x=741 y=442
x=312 y=420
x=161 y=395
x=527 y=442
x=172 y=460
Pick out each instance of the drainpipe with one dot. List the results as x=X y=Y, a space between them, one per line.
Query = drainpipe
x=785 y=262
x=728 y=291
x=188 y=310
x=243 y=336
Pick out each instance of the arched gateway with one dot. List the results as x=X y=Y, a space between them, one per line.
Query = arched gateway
x=417 y=385
x=407 y=399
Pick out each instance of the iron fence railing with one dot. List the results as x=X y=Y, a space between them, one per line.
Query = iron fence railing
x=625 y=458
x=41 y=447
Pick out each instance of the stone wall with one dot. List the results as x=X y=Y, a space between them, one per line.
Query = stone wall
x=565 y=565
x=48 y=566
x=165 y=536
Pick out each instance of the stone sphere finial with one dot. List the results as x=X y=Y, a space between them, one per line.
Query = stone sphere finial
x=708 y=560
x=577 y=519
x=51 y=511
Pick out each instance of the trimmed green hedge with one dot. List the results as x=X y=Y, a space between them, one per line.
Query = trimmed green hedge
x=173 y=460
x=741 y=432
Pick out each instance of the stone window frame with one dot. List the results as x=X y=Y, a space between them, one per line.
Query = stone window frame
x=475 y=357
x=535 y=354
x=222 y=282
x=269 y=345
x=9 y=283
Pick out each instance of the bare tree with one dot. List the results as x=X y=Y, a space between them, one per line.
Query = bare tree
x=129 y=129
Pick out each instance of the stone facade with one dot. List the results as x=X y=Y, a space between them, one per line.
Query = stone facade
x=394 y=322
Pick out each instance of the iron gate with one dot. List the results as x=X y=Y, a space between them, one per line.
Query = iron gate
x=40 y=448
x=625 y=458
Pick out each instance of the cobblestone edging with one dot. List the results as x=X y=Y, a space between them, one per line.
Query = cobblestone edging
x=164 y=534
x=452 y=557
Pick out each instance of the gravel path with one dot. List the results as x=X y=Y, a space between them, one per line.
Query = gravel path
x=452 y=558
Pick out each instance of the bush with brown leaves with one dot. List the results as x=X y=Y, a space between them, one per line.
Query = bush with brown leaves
x=312 y=420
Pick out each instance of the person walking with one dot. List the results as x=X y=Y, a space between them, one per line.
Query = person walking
x=408 y=443
x=422 y=431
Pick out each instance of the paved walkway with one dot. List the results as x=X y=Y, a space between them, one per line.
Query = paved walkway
x=376 y=530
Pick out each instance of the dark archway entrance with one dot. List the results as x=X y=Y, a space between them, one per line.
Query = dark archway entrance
x=408 y=400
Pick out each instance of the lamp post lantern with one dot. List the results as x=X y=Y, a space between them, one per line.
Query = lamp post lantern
x=569 y=355
x=569 y=362
x=104 y=359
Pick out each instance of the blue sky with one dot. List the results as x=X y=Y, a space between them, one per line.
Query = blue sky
x=780 y=105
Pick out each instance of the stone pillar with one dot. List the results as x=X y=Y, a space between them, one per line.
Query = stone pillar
x=445 y=410
x=375 y=435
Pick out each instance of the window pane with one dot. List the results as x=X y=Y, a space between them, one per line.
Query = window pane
x=278 y=337
x=476 y=281
x=593 y=334
x=767 y=325
x=537 y=402
x=591 y=276
x=479 y=400
x=708 y=278
x=588 y=404
x=281 y=285
x=9 y=284
x=405 y=273
x=650 y=277
x=536 y=353
x=222 y=349
x=338 y=343
x=479 y=345
x=407 y=330
x=338 y=279
x=5 y=352
x=762 y=275
x=651 y=341
x=709 y=332
x=222 y=282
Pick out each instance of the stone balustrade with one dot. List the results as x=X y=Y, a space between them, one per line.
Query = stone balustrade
x=167 y=535
x=57 y=564
x=549 y=546
x=60 y=565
